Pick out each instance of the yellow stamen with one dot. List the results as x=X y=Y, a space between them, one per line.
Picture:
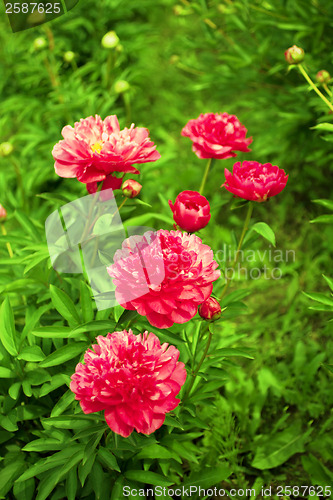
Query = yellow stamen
x=97 y=147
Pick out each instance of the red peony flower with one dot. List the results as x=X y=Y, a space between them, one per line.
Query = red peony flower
x=210 y=309
x=191 y=211
x=94 y=149
x=164 y=276
x=133 y=378
x=255 y=181
x=3 y=213
x=217 y=135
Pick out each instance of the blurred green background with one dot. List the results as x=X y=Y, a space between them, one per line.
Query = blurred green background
x=181 y=59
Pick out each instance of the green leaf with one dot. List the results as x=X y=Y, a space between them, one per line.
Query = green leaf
x=326 y=127
x=6 y=372
x=24 y=491
x=54 y=332
x=208 y=477
x=45 y=444
x=57 y=381
x=142 y=220
x=325 y=203
x=63 y=354
x=155 y=451
x=31 y=353
x=265 y=231
x=8 y=475
x=27 y=225
x=64 y=305
x=86 y=300
x=320 y=297
x=126 y=316
x=7 y=328
x=233 y=352
x=63 y=403
x=277 y=449
x=147 y=477
x=323 y=219
x=319 y=474
x=94 y=326
x=329 y=281
x=108 y=459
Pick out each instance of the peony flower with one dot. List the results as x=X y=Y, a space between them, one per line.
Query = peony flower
x=191 y=211
x=210 y=309
x=323 y=76
x=217 y=135
x=133 y=378
x=255 y=181
x=94 y=149
x=294 y=55
x=131 y=188
x=3 y=213
x=164 y=276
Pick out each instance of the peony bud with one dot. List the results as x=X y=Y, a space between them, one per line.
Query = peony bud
x=121 y=86
x=40 y=43
x=131 y=188
x=210 y=309
x=69 y=56
x=110 y=40
x=294 y=55
x=3 y=213
x=6 y=149
x=191 y=211
x=323 y=76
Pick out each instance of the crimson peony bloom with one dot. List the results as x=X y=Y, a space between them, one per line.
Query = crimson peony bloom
x=94 y=149
x=255 y=181
x=191 y=211
x=164 y=276
x=210 y=309
x=133 y=378
x=217 y=135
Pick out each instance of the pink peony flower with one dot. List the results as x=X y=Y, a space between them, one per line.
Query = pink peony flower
x=3 y=213
x=94 y=149
x=165 y=280
x=217 y=135
x=133 y=378
x=191 y=211
x=255 y=181
x=210 y=310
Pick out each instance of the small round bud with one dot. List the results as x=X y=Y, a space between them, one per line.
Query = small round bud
x=40 y=43
x=323 y=76
x=210 y=310
x=121 y=86
x=6 y=149
x=69 y=56
x=110 y=40
x=131 y=188
x=119 y=48
x=294 y=55
x=3 y=213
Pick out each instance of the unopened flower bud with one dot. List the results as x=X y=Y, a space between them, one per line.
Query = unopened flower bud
x=323 y=76
x=6 y=149
x=210 y=310
x=131 y=188
x=121 y=86
x=3 y=213
x=40 y=43
x=294 y=55
x=110 y=40
x=69 y=56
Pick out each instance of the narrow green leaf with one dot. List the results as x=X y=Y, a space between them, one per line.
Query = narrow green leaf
x=147 y=477
x=63 y=403
x=208 y=477
x=27 y=225
x=265 y=231
x=64 y=305
x=326 y=127
x=320 y=297
x=325 y=203
x=329 y=281
x=31 y=353
x=86 y=300
x=323 y=219
x=24 y=491
x=7 y=328
x=54 y=332
x=107 y=458
x=63 y=354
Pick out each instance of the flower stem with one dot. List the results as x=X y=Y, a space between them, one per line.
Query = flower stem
x=241 y=239
x=8 y=245
x=196 y=371
x=327 y=89
x=314 y=87
x=204 y=179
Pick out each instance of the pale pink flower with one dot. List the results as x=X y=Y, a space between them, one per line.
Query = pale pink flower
x=133 y=378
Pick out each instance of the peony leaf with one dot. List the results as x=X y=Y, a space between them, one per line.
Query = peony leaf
x=323 y=219
x=325 y=203
x=265 y=231
x=208 y=477
x=147 y=477
x=326 y=127
x=63 y=354
x=64 y=305
x=7 y=328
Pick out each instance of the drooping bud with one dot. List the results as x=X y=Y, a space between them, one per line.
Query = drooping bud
x=3 y=213
x=323 y=76
x=294 y=55
x=6 y=149
x=110 y=40
x=210 y=310
x=121 y=86
x=40 y=43
x=131 y=188
x=69 y=56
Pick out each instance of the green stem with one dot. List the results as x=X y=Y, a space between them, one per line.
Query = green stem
x=327 y=89
x=314 y=87
x=204 y=179
x=196 y=371
x=8 y=245
x=241 y=239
